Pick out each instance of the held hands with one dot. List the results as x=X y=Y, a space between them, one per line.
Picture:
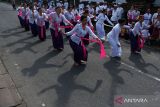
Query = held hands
x=71 y=24
x=63 y=33
x=98 y=39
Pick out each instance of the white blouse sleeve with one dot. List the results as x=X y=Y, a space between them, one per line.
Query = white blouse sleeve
x=65 y=20
x=73 y=30
x=89 y=20
x=109 y=21
x=91 y=33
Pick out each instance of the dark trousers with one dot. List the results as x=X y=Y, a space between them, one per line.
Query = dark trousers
x=47 y=24
x=78 y=52
x=21 y=21
x=34 y=29
x=57 y=40
x=134 y=42
x=26 y=24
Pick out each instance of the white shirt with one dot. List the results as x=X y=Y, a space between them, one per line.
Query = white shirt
x=91 y=10
x=66 y=5
x=81 y=5
x=57 y=19
x=59 y=4
x=114 y=15
x=98 y=9
x=69 y=16
x=154 y=16
x=114 y=33
x=147 y=18
x=156 y=23
x=78 y=32
x=137 y=28
x=136 y=13
x=89 y=21
x=75 y=12
x=131 y=14
x=25 y=13
x=101 y=18
x=32 y=16
x=41 y=19
x=120 y=12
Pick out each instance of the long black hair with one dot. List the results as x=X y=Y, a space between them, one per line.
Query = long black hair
x=83 y=17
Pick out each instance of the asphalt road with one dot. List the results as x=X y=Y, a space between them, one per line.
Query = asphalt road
x=48 y=78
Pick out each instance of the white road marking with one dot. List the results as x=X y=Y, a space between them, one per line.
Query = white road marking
x=140 y=71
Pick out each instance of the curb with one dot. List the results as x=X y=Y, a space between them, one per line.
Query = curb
x=9 y=95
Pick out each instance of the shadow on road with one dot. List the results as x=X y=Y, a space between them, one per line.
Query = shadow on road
x=140 y=63
x=27 y=47
x=12 y=34
x=42 y=63
x=12 y=29
x=113 y=67
x=19 y=41
x=67 y=85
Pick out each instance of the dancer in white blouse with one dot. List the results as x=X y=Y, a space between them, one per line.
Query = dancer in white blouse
x=56 y=32
x=77 y=33
x=41 y=24
x=32 y=20
x=136 y=31
x=113 y=38
x=100 y=25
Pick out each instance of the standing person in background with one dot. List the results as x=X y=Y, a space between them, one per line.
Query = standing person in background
x=25 y=17
x=66 y=4
x=147 y=17
x=100 y=25
x=19 y=11
x=109 y=11
x=81 y=5
x=155 y=15
x=131 y=15
x=137 y=12
x=32 y=20
x=13 y=4
x=76 y=14
x=156 y=28
x=91 y=9
x=70 y=17
x=46 y=11
x=89 y=23
x=98 y=9
x=114 y=17
x=58 y=3
x=120 y=11
x=35 y=6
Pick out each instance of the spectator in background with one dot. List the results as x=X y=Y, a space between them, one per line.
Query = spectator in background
x=114 y=17
x=155 y=15
x=66 y=4
x=147 y=17
x=137 y=12
x=156 y=28
x=120 y=11
x=131 y=14
x=13 y=4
